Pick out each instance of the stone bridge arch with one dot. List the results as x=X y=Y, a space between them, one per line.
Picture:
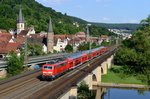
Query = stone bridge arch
x=94 y=78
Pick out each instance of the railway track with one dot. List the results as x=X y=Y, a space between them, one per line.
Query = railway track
x=29 y=86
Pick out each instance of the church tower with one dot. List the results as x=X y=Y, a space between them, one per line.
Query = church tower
x=50 y=38
x=20 y=22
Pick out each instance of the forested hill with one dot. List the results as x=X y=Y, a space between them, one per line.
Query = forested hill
x=38 y=15
x=128 y=26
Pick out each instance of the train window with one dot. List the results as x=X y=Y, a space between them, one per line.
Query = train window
x=47 y=67
x=60 y=65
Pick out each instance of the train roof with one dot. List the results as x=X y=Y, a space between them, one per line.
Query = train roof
x=79 y=54
x=75 y=55
x=53 y=61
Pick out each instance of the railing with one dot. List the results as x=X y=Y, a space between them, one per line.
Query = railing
x=37 y=60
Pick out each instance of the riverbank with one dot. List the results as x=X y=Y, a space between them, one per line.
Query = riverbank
x=115 y=77
x=130 y=86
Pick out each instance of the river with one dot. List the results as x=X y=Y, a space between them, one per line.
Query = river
x=114 y=93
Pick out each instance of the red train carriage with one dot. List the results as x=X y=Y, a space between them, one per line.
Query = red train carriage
x=103 y=49
x=70 y=63
x=75 y=59
x=55 y=68
x=84 y=57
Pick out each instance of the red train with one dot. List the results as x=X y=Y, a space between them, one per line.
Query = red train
x=55 y=68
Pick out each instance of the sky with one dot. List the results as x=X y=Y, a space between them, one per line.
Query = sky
x=103 y=11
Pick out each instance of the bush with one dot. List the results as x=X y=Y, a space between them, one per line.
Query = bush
x=14 y=64
x=69 y=48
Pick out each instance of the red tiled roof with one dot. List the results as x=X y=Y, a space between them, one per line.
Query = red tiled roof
x=10 y=47
x=80 y=33
x=20 y=39
x=24 y=32
x=62 y=37
x=5 y=37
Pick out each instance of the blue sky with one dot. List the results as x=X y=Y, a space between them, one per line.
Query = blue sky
x=105 y=11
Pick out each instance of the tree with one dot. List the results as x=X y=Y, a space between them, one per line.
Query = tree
x=93 y=45
x=34 y=49
x=136 y=51
x=69 y=48
x=145 y=76
x=104 y=43
x=15 y=64
x=83 y=46
x=84 y=92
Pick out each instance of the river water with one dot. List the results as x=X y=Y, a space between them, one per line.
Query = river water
x=114 y=93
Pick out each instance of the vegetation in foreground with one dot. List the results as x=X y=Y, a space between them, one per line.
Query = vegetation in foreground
x=15 y=64
x=84 y=92
x=134 y=55
x=117 y=74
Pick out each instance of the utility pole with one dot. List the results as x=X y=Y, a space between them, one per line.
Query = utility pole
x=26 y=52
x=88 y=35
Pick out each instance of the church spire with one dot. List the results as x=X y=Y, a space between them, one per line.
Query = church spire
x=20 y=21
x=50 y=37
x=20 y=18
x=50 y=29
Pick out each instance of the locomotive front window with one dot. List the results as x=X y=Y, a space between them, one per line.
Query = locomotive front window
x=47 y=67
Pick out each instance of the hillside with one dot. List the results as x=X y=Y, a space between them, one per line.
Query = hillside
x=128 y=26
x=38 y=15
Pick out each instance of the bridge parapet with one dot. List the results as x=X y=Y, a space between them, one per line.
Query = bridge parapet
x=70 y=94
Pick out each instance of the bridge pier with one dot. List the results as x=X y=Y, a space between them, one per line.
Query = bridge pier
x=70 y=94
x=104 y=66
x=73 y=92
x=99 y=92
x=3 y=73
x=98 y=74
x=109 y=62
x=89 y=80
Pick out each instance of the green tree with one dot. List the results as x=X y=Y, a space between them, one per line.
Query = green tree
x=35 y=50
x=15 y=64
x=84 y=92
x=145 y=76
x=69 y=48
x=83 y=46
x=104 y=43
x=136 y=51
x=93 y=45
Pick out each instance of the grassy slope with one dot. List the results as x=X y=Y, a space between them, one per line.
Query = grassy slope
x=112 y=77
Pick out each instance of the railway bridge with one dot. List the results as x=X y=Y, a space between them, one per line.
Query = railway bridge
x=92 y=78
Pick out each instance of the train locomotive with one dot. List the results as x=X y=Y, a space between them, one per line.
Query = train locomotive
x=57 y=67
